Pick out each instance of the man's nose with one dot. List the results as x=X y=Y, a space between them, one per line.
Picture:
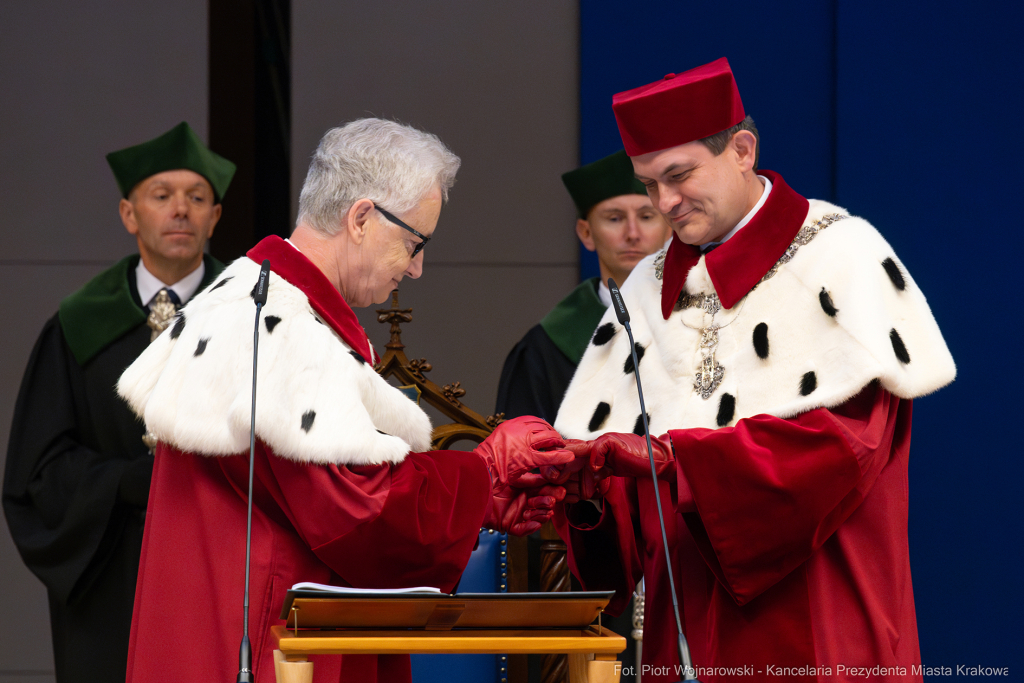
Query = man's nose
x=180 y=205
x=632 y=227
x=415 y=268
x=668 y=198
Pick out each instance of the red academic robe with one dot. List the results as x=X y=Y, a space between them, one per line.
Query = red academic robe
x=788 y=537
x=791 y=552
x=414 y=523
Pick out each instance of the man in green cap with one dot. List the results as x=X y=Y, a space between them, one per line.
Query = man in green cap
x=78 y=471
x=618 y=221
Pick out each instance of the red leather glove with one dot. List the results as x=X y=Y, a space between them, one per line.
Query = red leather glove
x=583 y=482
x=516 y=450
x=626 y=455
x=522 y=511
x=521 y=497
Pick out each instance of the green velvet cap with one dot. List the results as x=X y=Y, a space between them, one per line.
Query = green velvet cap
x=601 y=180
x=178 y=148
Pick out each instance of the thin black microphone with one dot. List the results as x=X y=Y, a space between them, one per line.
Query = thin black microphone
x=623 y=315
x=259 y=296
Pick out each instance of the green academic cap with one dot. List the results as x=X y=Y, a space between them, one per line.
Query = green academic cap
x=178 y=148
x=601 y=180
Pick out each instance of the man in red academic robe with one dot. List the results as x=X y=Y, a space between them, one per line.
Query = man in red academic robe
x=781 y=344
x=343 y=492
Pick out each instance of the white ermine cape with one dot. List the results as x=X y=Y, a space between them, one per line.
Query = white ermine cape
x=318 y=401
x=837 y=312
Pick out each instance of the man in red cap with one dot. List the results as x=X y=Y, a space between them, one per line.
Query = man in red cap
x=781 y=344
x=617 y=221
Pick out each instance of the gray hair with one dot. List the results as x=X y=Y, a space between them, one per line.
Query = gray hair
x=719 y=141
x=389 y=163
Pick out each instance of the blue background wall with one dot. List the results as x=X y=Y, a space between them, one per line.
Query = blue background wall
x=906 y=114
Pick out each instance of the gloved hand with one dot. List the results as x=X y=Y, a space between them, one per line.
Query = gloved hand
x=517 y=449
x=522 y=511
x=521 y=498
x=580 y=480
x=626 y=456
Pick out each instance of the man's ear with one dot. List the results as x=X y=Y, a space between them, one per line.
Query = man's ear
x=127 y=211
x=357 y=220
x=744 y=145
x=585 y=235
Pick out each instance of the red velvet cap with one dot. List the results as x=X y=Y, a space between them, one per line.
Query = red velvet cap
x=678 y=109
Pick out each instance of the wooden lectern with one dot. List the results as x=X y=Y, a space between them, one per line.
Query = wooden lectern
x=427 y=623
x=469 y=425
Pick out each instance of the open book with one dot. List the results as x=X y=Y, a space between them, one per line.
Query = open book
x=343 y=590
x=319 y=606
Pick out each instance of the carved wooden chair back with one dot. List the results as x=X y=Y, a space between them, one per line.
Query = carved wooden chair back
x=466 y=422
x=469 y=424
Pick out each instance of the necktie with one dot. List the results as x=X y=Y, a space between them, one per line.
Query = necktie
x=162 y=309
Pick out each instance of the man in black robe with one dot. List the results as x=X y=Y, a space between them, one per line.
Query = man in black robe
x=617 y=220
x=77 y=477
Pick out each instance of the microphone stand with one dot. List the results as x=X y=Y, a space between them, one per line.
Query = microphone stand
x=245 y=672
x=623 y=315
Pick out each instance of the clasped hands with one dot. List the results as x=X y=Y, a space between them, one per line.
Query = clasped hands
x=532 y=468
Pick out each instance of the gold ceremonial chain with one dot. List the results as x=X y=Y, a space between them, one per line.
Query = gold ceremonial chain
x=803 y=237
x=161 y=313
x=711 y=372
x=659 y=264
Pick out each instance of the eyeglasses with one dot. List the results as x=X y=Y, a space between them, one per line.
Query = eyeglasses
x=419 y=247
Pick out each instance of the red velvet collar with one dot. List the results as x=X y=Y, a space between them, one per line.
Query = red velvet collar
x=291 y=265
x=739 y=264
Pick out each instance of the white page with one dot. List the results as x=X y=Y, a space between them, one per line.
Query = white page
x=343 y=590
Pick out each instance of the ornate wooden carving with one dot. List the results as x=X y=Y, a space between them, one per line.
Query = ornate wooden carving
x=554 y=576
x=468 y=424
x=453 y=392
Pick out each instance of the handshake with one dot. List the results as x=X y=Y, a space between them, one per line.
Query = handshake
x=533 y=468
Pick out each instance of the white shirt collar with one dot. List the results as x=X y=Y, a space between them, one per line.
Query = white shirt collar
x=746 y=219
x=149 y=285
x=603 y=293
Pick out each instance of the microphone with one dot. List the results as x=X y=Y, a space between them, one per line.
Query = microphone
x=259 y=296
x=623 y=315
x=262 y=286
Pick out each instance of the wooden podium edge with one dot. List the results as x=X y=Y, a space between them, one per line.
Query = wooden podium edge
x=570 y=641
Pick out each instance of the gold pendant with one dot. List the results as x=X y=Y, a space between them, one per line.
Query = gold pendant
x=161 y=313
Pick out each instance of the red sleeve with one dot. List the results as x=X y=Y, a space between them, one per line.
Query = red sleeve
x=769 y=492
x=602 y=545
x=411 y=524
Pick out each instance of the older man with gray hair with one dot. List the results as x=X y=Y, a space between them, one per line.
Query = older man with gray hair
x=344 y=492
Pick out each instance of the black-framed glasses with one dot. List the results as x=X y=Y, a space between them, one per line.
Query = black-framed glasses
x=419 y=247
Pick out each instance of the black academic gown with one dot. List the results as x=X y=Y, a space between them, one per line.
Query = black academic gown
x=76 y=484
x=533 y=381
x=539 y=368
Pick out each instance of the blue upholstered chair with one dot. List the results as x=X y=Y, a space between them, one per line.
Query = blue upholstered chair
x=486 y=572
x=488 y=568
